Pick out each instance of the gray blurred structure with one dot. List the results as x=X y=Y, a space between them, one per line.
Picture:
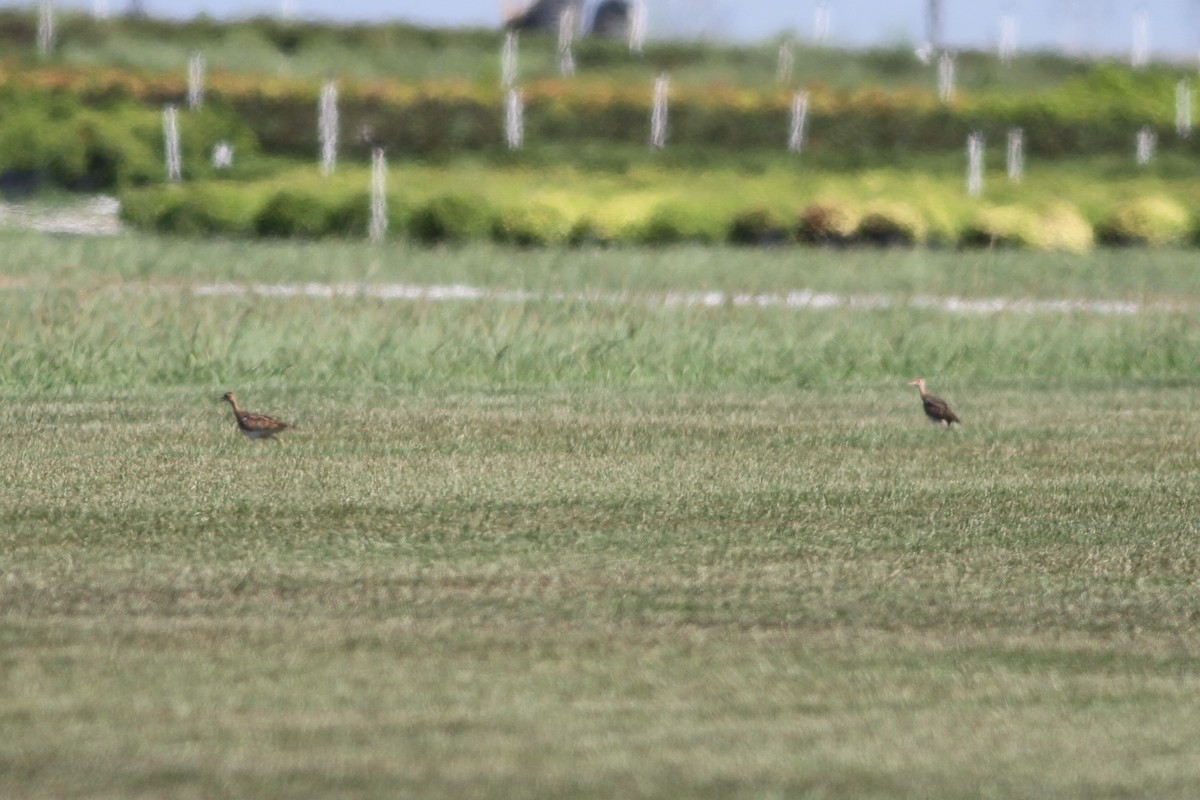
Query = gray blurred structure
x=933 y=23
x=540 y=15
x=612 y=20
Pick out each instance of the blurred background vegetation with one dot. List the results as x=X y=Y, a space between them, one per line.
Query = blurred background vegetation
x=883 y=159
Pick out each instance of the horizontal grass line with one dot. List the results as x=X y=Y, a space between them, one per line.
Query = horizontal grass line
x=800 y=299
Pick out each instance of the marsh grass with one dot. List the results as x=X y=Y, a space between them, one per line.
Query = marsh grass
x=129 y=312
x=459 y=579
x=554 y=593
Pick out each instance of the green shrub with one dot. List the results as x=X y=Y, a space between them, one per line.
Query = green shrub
x=826 y=223
x=1152 y=221
x=670 y=223
x=35 y=142
x=450 y=218
x=1064 y=229
x=757 y=226
x=221 y=208
x=292 y=212
x=536 y=224
x=891 y=225
x=588 y=231
x=1001 y=227
x=121 y=148
x=144 y=207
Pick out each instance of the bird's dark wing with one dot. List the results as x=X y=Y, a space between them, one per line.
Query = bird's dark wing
x=937 y=408
x=261 y=422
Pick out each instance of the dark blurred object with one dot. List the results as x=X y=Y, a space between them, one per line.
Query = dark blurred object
x=612 y=20
x=541 y=15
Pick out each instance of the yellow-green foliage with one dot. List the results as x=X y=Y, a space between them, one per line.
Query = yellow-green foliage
x=827 y=223
x=1062 y=228
x=683 y=222
x=1001 y=226
x=532 y=224
x=1152 y=220
x=534 y=206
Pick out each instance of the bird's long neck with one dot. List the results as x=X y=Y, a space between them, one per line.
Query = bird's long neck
x=237 y=410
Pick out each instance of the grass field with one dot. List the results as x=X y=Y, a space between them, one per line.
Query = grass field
x=541 y=545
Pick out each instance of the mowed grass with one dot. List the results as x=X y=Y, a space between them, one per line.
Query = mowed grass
x=475 y=583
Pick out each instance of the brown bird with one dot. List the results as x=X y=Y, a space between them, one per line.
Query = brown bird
x=255 y=426
x=937 y=409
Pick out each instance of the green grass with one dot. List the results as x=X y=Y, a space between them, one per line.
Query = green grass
x=461 y=578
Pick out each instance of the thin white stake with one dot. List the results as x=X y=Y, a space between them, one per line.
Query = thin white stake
x=514 y=119
x=566 y=36
x=327 y=127
x=1183 y=108
x=100 y=9
x=946 y=77
x=508 y=60
x=1016 y=155
x=1008 y=38
x=799 y=117
x=1139 y=56
x=45 y=27
x=171 y=139
x=195 y=91
x=287 y=9
x=787 y=63
x=637 y=26
x=822 y=22
x=658 y=116
x=975 y=164
x=379 y=221
x=1147 y=141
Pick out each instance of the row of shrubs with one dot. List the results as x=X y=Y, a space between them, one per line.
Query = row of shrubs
x=54 y=139
x=227 y=209
x=1094 y=114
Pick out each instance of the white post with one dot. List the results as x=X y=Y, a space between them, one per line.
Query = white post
x=379 y=221
x=1016 y=154
x=171 y=139
x=195 y=91
x=1147 y=140
x=1008 y=38
x=637 y=26
x=822 y=22
x=1140 y=54
x=508 y=60
x=658 y=116
x=287 y=9
x=799 y=117
x=787 y=63
x=1183 y=108
x=946 y=77
x=45 y=27
x=222 y=155
x=514 y=119
x=327 y=127
x=100 y=9
x=975 y=164
x=566 y=35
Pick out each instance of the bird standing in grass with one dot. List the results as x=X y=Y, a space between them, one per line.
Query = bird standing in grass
x=255 y=426
x=937 y=409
